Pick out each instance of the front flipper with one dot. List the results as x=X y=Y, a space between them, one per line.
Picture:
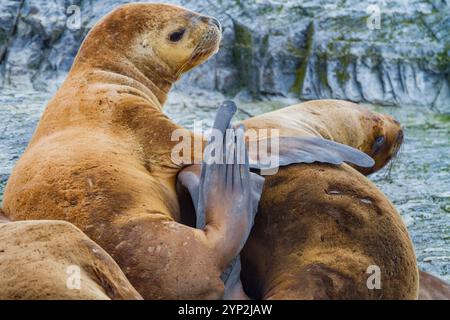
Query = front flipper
x=189 y=178
x=233 y=284
x=225 y=196
x=290 y=150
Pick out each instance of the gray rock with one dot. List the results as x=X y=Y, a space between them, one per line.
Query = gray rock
x=309 y=50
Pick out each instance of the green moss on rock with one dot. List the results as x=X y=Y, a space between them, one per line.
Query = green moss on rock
x=243 y=52
x=443 y=59
x=297 y=87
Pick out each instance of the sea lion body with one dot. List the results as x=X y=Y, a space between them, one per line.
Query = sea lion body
x=318 y=230
x=320 y=227
x=100 y=157
x=43 y=259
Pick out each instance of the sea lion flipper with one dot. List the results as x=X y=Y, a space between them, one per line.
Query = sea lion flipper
x=233 y=284
x=314 y=149
x=188 y=183
x=224 y=115
x=233 y=174
x=225 y=195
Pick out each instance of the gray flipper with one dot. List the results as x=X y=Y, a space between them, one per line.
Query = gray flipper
x=235 y=176
x=233 y=284
x=309 y=150
x=228 y=172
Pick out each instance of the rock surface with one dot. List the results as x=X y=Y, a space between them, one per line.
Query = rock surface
x=310 y=49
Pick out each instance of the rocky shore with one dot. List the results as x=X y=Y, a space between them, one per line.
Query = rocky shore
x=307 y=50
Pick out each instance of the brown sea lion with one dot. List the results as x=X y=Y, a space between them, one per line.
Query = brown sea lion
x=55 y=260
x=201 y=188
x=100 y=156
x=320 y=228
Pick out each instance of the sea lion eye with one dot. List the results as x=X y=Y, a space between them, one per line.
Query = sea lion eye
x=378 y=144
x=177 y=35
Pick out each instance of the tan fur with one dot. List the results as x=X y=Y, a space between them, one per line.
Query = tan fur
x=341 y=121
x=100 y=156
x=35 y=257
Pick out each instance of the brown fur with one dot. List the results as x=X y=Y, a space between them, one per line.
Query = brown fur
x=34 y=261
x=100 y=156
x=318 y=228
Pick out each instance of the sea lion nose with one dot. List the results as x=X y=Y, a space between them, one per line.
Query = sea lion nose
x=216 y=23
x=399 y=139
x=212 y=21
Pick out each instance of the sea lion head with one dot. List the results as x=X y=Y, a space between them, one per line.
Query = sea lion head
x=178 y=38
x=385 y=137
x=162 y=41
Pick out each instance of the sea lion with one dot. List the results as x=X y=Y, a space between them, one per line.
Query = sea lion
x=320 y=227
x=100 y=157
x=330 y=223
x=378 y=135
x=38 y=259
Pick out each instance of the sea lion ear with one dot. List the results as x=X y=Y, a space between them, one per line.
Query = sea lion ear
x=313 y=149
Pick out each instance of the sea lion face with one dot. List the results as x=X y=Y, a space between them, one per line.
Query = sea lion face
x=386 y=138
x=177 y=38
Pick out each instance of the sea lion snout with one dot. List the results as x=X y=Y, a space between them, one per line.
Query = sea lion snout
x=212 y=21
x=216 y=23
x=386 y=142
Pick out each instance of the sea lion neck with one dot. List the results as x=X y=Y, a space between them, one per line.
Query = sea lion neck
x=151 y=79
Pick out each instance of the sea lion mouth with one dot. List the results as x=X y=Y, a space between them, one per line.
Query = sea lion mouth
x=208 y=46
